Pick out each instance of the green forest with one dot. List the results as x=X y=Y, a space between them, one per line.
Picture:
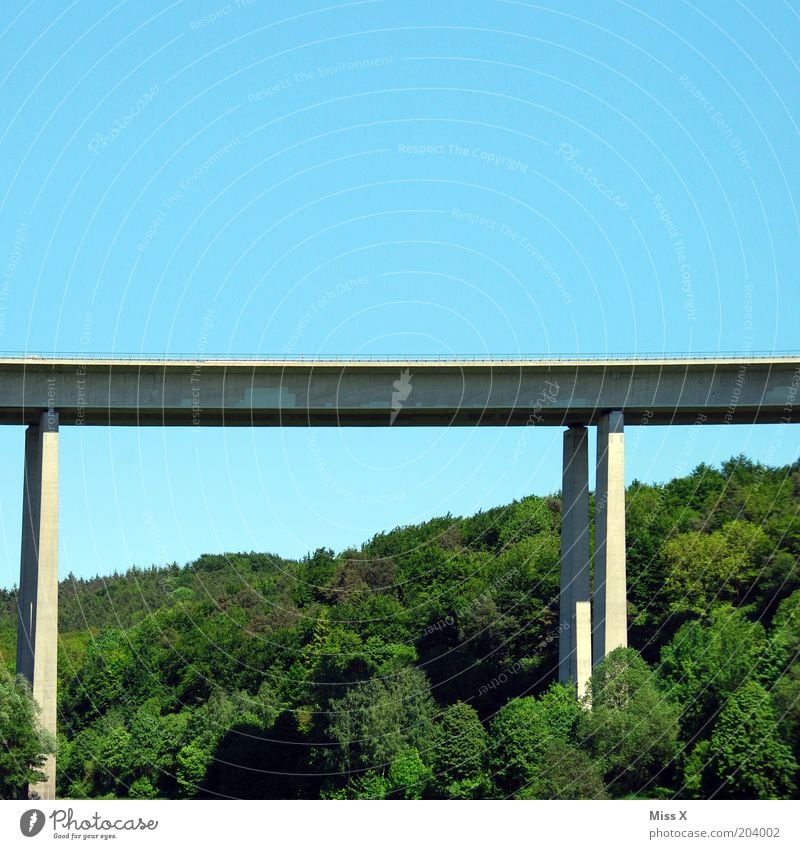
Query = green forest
x=424 y=663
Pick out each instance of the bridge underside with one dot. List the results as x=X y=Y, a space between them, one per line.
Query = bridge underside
x=401 y=394
x=317 y=417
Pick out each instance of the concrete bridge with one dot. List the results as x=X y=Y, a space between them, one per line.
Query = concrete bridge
x=46 y=393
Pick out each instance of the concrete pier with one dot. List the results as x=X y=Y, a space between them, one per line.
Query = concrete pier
x=609 y=602
x=583 y=647
x=37 y=637
x=574 y=548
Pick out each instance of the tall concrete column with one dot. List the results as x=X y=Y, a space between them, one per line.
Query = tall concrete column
x=609 y=604
x=583 y=647
x=574 y=549
x=37 y=635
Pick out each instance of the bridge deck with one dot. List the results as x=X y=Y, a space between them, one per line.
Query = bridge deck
x=101 y=390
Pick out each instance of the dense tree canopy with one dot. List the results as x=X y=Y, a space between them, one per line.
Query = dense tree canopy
x=422 y=664
x=23 y=744
x=632 y=728
x=460 y=753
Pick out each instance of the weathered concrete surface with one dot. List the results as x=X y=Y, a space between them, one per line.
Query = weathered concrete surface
x=403 y=392
x=574 y=548
x=37 y=636
x=583 y=647
x=609 y=603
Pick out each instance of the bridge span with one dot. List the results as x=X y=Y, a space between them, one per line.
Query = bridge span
x=359 y=392
x=46 y=393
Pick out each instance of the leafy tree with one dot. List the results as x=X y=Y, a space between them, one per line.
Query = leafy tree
x=782 y=669
x=459 y=756
x=24 y=745
x=744 y=757
x=375 y=721
x=784 y=638
x=192 y=764
x=408 y=775
x=565 y=772
x=113 y=754
x=706 y=661
x=142 y=788
x=704 y=569
x=786 y=699
x=103 y=680
x=370 y=785
x=527 y=735
x=526 y=518
x=632 y=728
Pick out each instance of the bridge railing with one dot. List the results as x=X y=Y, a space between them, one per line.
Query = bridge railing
x=379 y=358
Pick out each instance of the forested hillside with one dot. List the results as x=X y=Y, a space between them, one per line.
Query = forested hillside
x=422 y=665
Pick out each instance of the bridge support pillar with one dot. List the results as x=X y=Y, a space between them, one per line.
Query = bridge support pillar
x=37 y=634
x=609 y=603
x=574 y=594
x=583 y=647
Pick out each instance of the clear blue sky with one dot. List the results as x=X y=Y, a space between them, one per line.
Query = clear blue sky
x=382 y=178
